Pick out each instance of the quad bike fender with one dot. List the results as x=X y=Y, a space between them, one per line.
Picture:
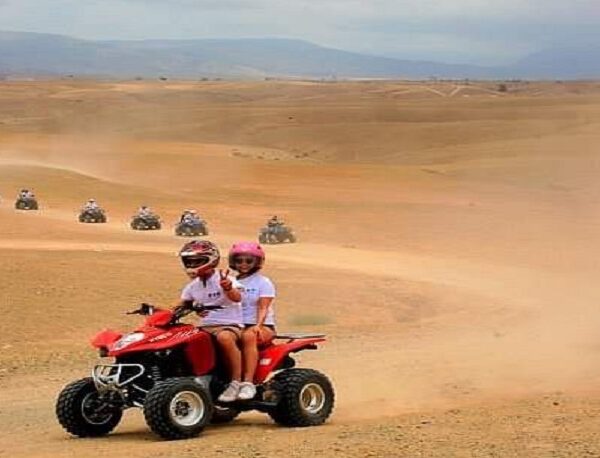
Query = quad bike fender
x=272 y=356
x=104 y=339
x=200 y=353
x=159 y=318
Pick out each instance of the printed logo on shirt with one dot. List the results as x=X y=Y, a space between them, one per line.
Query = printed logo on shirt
x=214 y=295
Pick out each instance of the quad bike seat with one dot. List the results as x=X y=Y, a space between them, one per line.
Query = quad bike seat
x=290 y=337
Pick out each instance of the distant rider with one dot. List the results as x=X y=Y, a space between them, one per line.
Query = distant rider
x=275 y=222
x=91 y=205
x=26 y=194
x=190 y=217
x=144 y=211
x=186 y=217
x=195 y=216
x=212 y=287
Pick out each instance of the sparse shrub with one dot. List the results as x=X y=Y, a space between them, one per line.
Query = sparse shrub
x=502 y=87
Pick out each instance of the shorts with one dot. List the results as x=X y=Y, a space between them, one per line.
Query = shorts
x=218 y=328
x=270 y=326
x=265 y=338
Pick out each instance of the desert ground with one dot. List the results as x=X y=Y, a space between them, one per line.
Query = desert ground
x=449 y=238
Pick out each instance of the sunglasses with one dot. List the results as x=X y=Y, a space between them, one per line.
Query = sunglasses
x=244 y=260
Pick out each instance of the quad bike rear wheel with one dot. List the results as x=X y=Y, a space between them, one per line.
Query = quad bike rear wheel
x=262 y=238
x=82 y=412
x=178 y=408
x=306 y=397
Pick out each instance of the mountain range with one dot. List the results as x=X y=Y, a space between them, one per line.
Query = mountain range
x=25 y=53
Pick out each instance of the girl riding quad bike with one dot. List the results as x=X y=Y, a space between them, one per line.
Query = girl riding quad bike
x=173 y=372
x=176 y=373
x=258 y=294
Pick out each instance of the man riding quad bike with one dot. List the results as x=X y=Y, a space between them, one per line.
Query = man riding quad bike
x=190 y=224
x=26 y=200
x=91 y=212
x=173 y=372
x=276 y=232
x=145 y=220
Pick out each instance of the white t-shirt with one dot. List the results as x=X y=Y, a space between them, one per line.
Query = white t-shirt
x=213 y=294
x=254 y=287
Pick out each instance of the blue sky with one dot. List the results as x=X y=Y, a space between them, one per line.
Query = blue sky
x=472 y=31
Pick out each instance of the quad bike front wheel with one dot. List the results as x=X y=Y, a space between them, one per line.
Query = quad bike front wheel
x=81 y=411
x=306 y=398
x=178 y=408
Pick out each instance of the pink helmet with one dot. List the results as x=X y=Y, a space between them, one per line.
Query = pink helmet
x=250 y=248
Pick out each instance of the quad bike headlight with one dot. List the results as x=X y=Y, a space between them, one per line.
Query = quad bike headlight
x=128 y=340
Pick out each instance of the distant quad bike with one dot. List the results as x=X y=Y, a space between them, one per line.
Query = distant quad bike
x=191 y=229
x=91 y=215
x=276 y=234
x=145 y=223
x=172 y=372
x=26 y=203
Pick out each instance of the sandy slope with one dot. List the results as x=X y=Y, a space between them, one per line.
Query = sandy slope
x=448 y=245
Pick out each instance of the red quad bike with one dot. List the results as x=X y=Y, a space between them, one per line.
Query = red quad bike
x=171 y=371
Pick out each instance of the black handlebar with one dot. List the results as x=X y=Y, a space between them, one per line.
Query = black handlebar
x=186 y=308
x=145 y=309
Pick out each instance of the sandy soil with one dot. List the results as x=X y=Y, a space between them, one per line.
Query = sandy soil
x=449 y=245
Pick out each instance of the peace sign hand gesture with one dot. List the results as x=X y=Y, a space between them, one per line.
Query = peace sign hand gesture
x=225 y=282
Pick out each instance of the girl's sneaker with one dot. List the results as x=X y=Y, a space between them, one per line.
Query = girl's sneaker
x=247 y=391
x=231 y=392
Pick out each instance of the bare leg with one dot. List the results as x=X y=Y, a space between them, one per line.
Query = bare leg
x=231 y=353
x=249 y=354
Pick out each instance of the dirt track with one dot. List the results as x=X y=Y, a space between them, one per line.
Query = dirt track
x=449 y=240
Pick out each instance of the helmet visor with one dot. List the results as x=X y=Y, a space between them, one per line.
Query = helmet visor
x=193 y=262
